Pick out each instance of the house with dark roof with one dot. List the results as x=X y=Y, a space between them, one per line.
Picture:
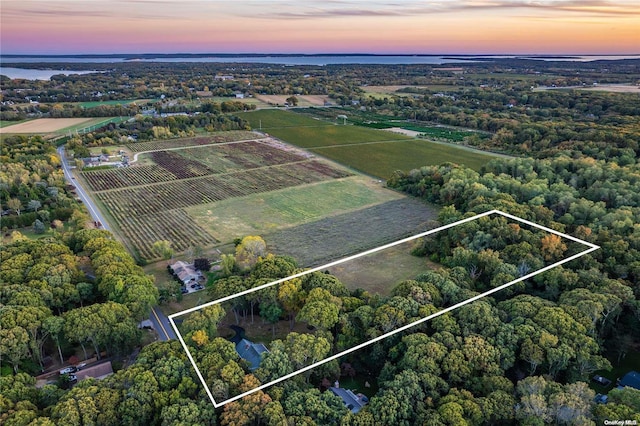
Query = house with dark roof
x=251 y=352
x=631 y=379
x=352 y=401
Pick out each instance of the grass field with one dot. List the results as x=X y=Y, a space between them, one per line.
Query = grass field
x=375 y=152
x=380 y=272
x=262 y=213
x=383 y=158
x=93 y=104
x=11 y=123
x=323 y=136
x=271 y=119
x=338 y=236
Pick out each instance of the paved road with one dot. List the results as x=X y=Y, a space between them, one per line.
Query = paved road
x=93 y=210
x=160 y=321
x=161 y=324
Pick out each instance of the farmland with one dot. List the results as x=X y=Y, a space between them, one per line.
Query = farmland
x=45 y=125
x=147 y=202
x=371 y=151
x=334 y=237
x=262 y=213
x=383 y=158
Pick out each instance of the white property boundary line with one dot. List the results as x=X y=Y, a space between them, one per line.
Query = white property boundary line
x=592 y=247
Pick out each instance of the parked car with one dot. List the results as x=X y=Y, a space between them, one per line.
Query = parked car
x=68 y=370
x=199 y=287
x=602 y=380
x=184 y=290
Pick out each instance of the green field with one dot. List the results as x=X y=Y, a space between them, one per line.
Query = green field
x=261 y=213
x=325 y=136
x=92 y=124
x=383 y=158
x=274 y=118
x=11 y=123
x=93 y=104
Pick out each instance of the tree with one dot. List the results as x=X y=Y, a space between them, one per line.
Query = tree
x=320 y=310
x=15 y=205
x=34 y=205
x=202 y=264
x=14 y=345
x=249 y=250
x=163 y=249
x=271 y=311
x=38 y=227
x=291 y=296
x=292 y=100
x=306 y=349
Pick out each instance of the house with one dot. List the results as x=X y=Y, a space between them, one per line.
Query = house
x=185 y=272
x=251 y=352
x=631 y=379
x=99 y=371
x=352 y=401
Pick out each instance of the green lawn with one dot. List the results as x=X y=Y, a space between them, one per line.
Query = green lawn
x=274 y=118
x=266 y=212
x=383 y=158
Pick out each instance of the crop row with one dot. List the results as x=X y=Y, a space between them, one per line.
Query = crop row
x=100 y=180
x=178 y=194
x=245 y=155
x=178 y=165
x=196 y=141
x=173 y=225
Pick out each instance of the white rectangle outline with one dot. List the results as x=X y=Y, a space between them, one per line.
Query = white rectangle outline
x=592 y=247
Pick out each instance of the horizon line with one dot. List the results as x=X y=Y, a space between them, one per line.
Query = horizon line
x=54 y=55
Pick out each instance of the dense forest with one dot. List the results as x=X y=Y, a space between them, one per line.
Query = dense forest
x=522 y=356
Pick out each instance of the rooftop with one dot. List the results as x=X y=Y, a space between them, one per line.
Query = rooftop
x=631 y=379
x=352 y=401
x=251 y=352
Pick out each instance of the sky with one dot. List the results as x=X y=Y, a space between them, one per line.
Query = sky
x=320 y=26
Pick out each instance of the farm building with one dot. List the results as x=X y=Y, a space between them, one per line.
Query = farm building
x=251 y=352
x=352 y=401
x=185 y=272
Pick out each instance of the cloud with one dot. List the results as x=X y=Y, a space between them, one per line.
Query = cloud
x=342 y=8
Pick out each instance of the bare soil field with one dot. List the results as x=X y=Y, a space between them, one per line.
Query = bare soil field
x=303 y=100
x=44 y=125
x=615 y=88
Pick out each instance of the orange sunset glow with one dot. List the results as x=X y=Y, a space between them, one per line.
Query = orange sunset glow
x=408 y=27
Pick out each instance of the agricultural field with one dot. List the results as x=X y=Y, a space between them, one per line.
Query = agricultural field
x=271 y=119
x=45 y=125
x=375 y=152
x=149 y=202
x=158 y=145
x=266 y=212
x=335 y=237
x=381 y=159
x=303 y=100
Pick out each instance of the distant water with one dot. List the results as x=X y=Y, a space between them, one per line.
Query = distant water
x=28 y=74
x=316 y=60
x=282 y=60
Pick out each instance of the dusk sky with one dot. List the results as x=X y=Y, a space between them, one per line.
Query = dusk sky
x=326 y=26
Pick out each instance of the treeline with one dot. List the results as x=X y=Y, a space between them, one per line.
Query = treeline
x=146 y=127
x=32 y=186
